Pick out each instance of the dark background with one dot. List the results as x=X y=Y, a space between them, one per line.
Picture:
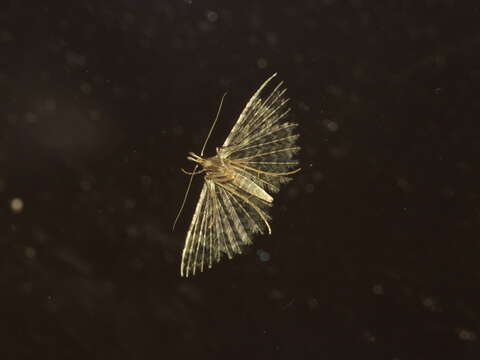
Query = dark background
x=375 y=246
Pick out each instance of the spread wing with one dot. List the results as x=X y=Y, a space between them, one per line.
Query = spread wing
x=260 y=149
x=261 y=144
x=223 y=222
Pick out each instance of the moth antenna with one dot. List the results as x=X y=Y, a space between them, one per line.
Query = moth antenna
x=193 y=173
x=213 y=125
x=185 y=196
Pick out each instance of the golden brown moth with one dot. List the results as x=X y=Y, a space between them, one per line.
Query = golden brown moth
x=256 y=158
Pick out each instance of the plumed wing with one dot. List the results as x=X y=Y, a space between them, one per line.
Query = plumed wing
x=223 y=222
x=261 y=144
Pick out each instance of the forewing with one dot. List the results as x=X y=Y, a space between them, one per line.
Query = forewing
x=223 y=223
x=261 y=144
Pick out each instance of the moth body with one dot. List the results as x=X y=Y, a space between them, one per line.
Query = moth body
x=256 y=158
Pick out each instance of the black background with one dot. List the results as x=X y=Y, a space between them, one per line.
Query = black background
x=375 y=246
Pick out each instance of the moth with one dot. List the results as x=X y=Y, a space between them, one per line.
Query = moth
x=257 y=157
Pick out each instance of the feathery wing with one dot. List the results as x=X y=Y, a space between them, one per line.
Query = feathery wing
x=261 y=144
x=260 y=151
x=223 y=223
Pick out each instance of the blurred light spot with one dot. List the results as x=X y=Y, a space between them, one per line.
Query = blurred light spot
x=369 y=336
x=30 y=117
x=335 y=90
x=130 y=204
x=51 y=303
x=292 y=192
x=263 y=255
x=377 y=289
x=50 y=105
x=26 y=287
x=276 y=294
x=39 y=235
x=403 y=184
x=30 y=252
x=205 y=26
x=86 y=88
x=132 y=231
x=146 y=181
x=272 y=38
x=75 y=59
x=12 y=118
x=467 y=335
x=177 y=130
x=95 y=114
x=309 y=188
x=128 y=18
x=262 y=63
x=298 y=58
x=312 y=303
x=330 y=125
x=137 y=264
x=85 y=185
x=212 y=16
x=119 y=91
x=72 y=259
x=448 y=192
x=303 y=106
x=144 y=96
x=16 y=205
x=338 y=151
x=430 y=304
x=5 y=36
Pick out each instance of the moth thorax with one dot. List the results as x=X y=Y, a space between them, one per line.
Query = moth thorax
x=212 y=164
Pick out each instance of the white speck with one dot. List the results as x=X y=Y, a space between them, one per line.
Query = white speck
x=262 y=63
x=31 y=117
x=312 y=303
x=16 y=205
x=212 y=16
x=331 y=125
x=467 y=335
x=377 y=289
x=30 y=252
x=263 y=255
x=430 y=304
x=403 y=184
